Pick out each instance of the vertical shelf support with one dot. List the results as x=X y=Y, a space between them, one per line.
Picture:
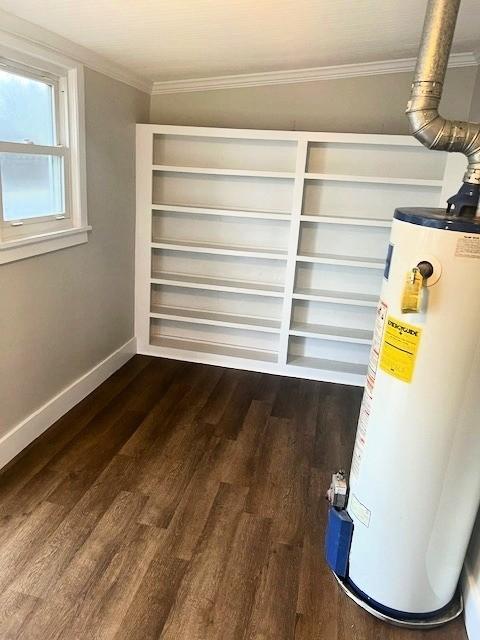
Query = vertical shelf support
x=300 y=169
x=143 y=235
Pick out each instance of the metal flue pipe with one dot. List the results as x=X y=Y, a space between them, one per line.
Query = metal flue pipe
x=426 y=124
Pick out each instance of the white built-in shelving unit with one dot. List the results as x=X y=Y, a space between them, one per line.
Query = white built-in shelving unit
x=265 y=250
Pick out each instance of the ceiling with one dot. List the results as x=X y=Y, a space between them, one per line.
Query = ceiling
x=178 y=39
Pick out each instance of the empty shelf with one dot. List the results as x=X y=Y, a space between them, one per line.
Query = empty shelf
x=212 y=211
x=224 y=172
x=340 y=297
x=327 y=365
x=352 y=221
x=339 y=334
x=220 y=249
x=217 y=284
x=411 y=182
x=215 y=318
x=344 y=261
x=196 y=346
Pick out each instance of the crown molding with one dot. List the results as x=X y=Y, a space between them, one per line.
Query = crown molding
x=35 y=35
x=32 y=33
x=302 y=75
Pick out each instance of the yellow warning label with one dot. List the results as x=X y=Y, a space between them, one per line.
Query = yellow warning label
x=399 y=349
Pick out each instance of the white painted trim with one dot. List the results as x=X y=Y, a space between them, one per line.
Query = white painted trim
x=143 y=234
x=246 y=364
x=36 y=245
x=35 y=35
x=272 y=134
x=301 y=75
x=471 y=595
x=296 y=211
x=35 y=424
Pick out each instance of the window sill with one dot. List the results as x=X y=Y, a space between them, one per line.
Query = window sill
x=36 y=245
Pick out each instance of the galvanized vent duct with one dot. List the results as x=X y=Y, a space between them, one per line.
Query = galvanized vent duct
x=426 y=124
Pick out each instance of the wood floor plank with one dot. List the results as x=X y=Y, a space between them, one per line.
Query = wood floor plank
x=144 y=391
x=287 y=400
x=306 y=419
x=192 y=512
x=357 y=624
x=51 y=556
x=53 y=617
x=100 y=614
x=280 y=486
x=274 y=611
x=337 y=420
x=231 y=421
x=165 y=480
x=318 y=594
x=158 y=423
x=240 y=581
x=16 y=552
x=170 y=411
x=145 y=618
x=190 y=614
x=266 y=387
x=242 y=455
x=202 y=384
x=93 y=457
x=31 y=494
x=220 y=398
x=14 y=610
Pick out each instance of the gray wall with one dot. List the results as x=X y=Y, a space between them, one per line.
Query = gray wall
x=63 y=312
x=372 y=104
x=475 y=108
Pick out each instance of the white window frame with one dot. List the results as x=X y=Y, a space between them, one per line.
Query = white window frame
x=34 y=236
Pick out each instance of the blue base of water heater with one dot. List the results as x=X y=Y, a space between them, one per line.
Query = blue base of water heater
x=399 y=618
x=338 y=539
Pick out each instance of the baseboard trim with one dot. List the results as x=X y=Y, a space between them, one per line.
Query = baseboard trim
x=24 y=433
x=471 y=596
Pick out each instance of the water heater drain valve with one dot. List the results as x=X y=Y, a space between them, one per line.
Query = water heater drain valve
x=337 y=493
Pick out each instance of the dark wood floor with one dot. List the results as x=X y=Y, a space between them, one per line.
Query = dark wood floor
x=182 y=502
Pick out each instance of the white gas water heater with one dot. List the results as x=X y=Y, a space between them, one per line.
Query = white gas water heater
x=398 y=534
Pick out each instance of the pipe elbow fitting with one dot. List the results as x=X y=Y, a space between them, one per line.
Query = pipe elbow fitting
x=426 y=126
x=437 y=133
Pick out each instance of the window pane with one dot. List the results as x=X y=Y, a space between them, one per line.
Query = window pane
x=26 y=110
x=31 y=185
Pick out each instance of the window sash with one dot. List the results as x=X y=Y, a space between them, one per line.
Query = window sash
x=58 y=86
x=11 y=229
x=31 y=149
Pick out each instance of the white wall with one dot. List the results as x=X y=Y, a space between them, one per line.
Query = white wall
x=63 y=312
x=372 y=104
